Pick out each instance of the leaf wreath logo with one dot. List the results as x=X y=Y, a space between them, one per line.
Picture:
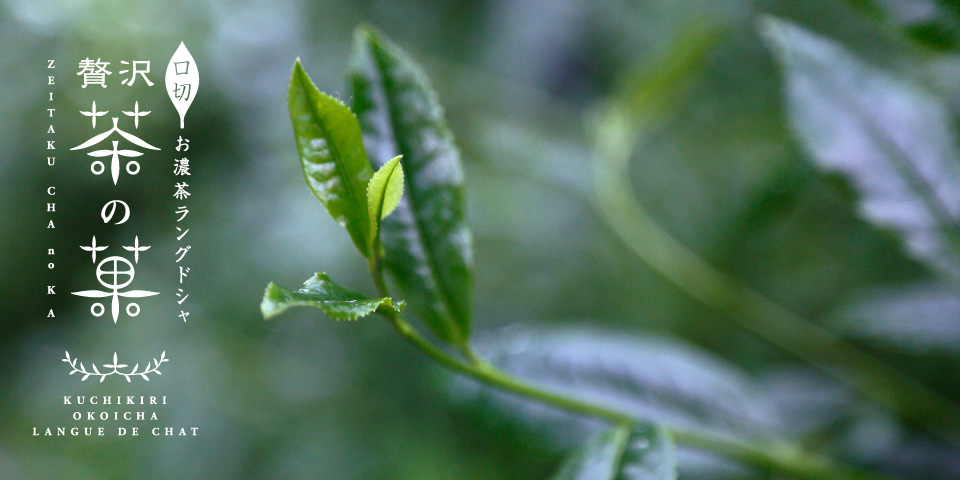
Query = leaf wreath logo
x=113 y=368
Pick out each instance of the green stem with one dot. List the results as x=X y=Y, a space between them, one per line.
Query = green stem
x=485 y=372
x=375 y=265
x=615 y=140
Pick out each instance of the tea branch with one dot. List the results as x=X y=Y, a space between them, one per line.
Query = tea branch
x=781 y=457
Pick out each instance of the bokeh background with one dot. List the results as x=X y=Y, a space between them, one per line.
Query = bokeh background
x=304 y=397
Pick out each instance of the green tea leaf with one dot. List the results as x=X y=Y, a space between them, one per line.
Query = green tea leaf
x=320 y=292
x=427 y=240
x=332 y=156
x=644 y=452
x=655 y=379
x=891 y=139
x=383 y=193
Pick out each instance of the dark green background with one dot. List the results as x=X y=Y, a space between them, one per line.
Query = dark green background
x=306 y=397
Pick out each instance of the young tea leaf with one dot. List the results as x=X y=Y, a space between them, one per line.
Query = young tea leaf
x=320 y=292
x=644 y=452
x=891 y=139
x=332 y=156
x=383 y=194
x=427 y=240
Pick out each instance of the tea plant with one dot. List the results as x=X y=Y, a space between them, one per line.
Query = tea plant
x=387 y=170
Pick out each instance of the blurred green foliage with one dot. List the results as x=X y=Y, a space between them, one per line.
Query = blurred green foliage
x=521 y=81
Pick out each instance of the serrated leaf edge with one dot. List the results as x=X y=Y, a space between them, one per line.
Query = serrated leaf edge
x=269 y=311
x=313 y=94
